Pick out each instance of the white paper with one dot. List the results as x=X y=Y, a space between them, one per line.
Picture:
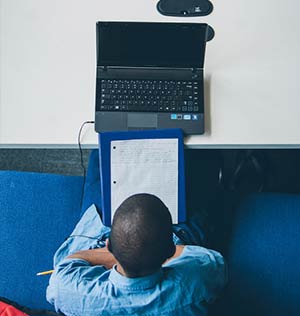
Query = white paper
x=145 y=166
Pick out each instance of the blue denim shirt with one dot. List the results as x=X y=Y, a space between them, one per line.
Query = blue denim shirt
x=183 y=286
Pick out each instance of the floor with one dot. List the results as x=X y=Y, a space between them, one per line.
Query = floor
x=60 y=161
x=208 y=171
x=281 y=167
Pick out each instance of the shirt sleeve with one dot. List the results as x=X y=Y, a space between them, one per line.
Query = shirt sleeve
x=72 y=280
x=204 y=269
x=89 y=233
x=73 y=277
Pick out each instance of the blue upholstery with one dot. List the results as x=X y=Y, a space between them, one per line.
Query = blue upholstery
x=92 y=183
x=264 y=257
x=38 y=211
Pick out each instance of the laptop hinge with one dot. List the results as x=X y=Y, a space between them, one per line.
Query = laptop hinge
x=113 y=72
x=197 y=73
x=149 y=68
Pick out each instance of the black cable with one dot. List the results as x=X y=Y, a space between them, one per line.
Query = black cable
x=248 y=159
x=81 y=159
x=101 y=242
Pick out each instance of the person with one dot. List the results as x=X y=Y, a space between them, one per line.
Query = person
x=135 y=268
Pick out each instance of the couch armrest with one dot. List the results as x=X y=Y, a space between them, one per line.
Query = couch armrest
x=38 y=211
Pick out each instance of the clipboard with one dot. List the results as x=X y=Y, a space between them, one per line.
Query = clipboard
x=117 y=149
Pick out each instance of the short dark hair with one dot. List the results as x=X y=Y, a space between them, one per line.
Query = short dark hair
x=141 y=234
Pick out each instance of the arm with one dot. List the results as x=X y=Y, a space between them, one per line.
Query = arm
x=74 y=279
x=96 y=257
x=105 y=258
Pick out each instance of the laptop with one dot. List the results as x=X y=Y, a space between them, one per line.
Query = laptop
x=150 y=76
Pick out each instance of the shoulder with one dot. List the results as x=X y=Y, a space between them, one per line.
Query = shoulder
x=198 y=256
x=203 y=270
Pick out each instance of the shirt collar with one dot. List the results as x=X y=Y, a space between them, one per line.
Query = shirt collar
x=141 y=283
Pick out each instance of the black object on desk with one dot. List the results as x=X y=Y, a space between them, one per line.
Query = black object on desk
x=185 y=7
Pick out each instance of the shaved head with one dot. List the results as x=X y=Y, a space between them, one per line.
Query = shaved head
x=141 y=235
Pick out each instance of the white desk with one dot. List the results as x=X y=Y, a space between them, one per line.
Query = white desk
x=48 y=62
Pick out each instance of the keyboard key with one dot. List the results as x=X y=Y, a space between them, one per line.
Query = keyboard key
x=149 y=95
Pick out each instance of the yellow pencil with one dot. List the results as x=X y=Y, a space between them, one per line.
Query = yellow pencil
x=45 y=272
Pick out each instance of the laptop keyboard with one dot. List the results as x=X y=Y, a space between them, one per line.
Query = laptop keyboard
x=149 y=95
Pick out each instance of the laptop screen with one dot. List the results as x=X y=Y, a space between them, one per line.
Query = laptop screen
x=142 y=44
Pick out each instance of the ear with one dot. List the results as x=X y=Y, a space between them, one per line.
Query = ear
x=108 y=245
x=171 y=250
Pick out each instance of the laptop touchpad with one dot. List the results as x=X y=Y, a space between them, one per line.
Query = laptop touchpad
x=142 y=120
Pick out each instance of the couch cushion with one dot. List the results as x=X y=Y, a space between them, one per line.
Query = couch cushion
x=264 y=257
x=38 y=211
x=92 y=189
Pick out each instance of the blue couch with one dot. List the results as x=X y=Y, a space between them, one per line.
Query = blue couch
x=38 y=211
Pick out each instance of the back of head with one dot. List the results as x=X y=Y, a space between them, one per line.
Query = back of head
x=141 y=235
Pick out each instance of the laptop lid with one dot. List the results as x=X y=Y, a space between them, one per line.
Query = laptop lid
x=148 y=44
